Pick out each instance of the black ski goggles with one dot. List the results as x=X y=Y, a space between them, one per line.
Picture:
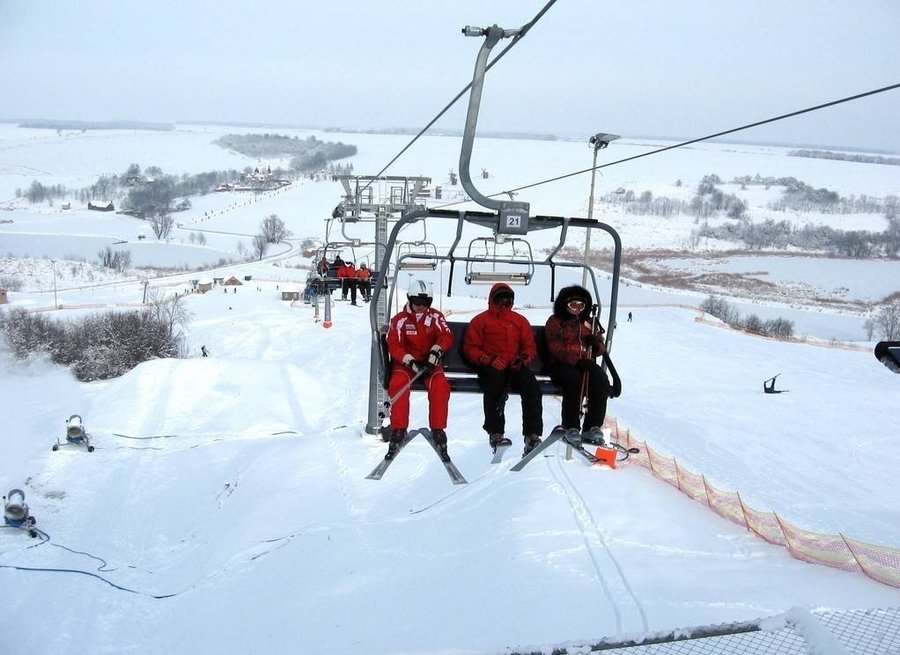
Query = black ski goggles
x=420 y=301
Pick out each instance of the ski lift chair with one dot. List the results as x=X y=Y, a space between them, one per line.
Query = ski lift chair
x=417 y=256
x=888 y=353
x=517 y=261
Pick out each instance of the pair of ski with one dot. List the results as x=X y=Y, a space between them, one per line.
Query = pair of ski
x=560 y=433
x=455 y=476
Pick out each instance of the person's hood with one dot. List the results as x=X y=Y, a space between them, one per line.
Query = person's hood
x=499 y=287
x=570 y=293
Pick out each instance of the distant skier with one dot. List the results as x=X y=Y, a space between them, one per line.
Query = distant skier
x=204 y=351
x=629 y=317
x=364 y=282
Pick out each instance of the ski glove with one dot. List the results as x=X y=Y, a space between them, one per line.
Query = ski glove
x=594 y=341
x=409 y=362
x=435 y=355
x=499 y=362
x=517 y=363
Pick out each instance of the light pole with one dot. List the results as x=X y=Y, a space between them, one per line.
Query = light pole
x=598 y=142
x=55 y=303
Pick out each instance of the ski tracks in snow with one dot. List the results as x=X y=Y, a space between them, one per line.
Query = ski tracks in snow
x=614 y=582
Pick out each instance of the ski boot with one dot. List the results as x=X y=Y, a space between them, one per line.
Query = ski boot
x=397 y=437
x=532 y=441
x=440 y=440
x=573 y=437
x=497 y=440
x=594 y=436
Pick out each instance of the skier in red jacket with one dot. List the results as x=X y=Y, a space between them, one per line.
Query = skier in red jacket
x=347 y=275
x=417 y=338
x=500 y=345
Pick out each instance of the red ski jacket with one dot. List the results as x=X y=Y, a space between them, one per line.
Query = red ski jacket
x=415 y=334
x=499 y=332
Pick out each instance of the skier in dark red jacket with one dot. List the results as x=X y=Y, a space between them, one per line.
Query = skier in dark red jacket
x=417 y=338
x=500 y=345
x=574 y=347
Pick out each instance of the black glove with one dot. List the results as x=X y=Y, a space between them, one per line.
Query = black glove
x=585 y=364
x=517 y=363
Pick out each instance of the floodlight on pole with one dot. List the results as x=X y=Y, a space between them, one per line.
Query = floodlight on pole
x=55 y=302
x=598 y=142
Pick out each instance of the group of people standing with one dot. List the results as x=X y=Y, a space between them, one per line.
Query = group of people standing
x=499 y=345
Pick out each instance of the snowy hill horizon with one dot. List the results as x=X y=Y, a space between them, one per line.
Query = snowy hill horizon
x=105 y=124
x=226 y=502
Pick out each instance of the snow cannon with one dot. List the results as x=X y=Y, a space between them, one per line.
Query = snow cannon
x=75 y=434
x=15 y=512
x=74 y=428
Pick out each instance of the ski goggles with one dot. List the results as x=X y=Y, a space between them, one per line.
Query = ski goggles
x=420 y=301
x=576 y=305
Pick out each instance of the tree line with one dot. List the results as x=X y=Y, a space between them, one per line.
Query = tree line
x=99 y=346
x=778 y=328
x=306 y=154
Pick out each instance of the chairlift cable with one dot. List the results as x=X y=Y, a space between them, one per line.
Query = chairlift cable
x=518 y=37
x=692 y=141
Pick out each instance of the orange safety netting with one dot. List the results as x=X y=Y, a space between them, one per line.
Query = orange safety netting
x=878 y=562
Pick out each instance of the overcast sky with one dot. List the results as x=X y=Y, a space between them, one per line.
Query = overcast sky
x=635 y=68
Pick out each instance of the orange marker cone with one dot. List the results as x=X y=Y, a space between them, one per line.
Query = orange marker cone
x=327 y=322
x=606 y=456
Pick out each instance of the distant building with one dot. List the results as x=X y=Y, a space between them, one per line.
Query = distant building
x=101 y=206
x=3 y=298
x=204 y=285
x=233 y=281
x=290 y=295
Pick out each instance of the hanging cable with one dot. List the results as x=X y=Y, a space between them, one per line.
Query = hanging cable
x=518 y=37
x=692 y=141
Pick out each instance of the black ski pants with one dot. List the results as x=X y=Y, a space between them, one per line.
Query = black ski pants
x=494 y=385
x=348 y=283
x=570 y=378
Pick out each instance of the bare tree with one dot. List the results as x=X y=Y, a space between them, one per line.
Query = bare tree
x=272 y=228
x=260 y=246
x=162 y=225
x=171 y=311
x=869 y=327
x=888 y=320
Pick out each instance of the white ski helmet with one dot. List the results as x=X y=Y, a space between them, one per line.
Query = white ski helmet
x=420 y=290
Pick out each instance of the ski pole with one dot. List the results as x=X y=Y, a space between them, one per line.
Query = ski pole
x=589 y=351
x=406 y=387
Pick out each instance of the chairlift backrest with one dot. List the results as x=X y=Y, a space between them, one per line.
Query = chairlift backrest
x=516 y=260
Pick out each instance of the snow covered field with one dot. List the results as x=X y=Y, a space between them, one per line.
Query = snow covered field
x=226 y=508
